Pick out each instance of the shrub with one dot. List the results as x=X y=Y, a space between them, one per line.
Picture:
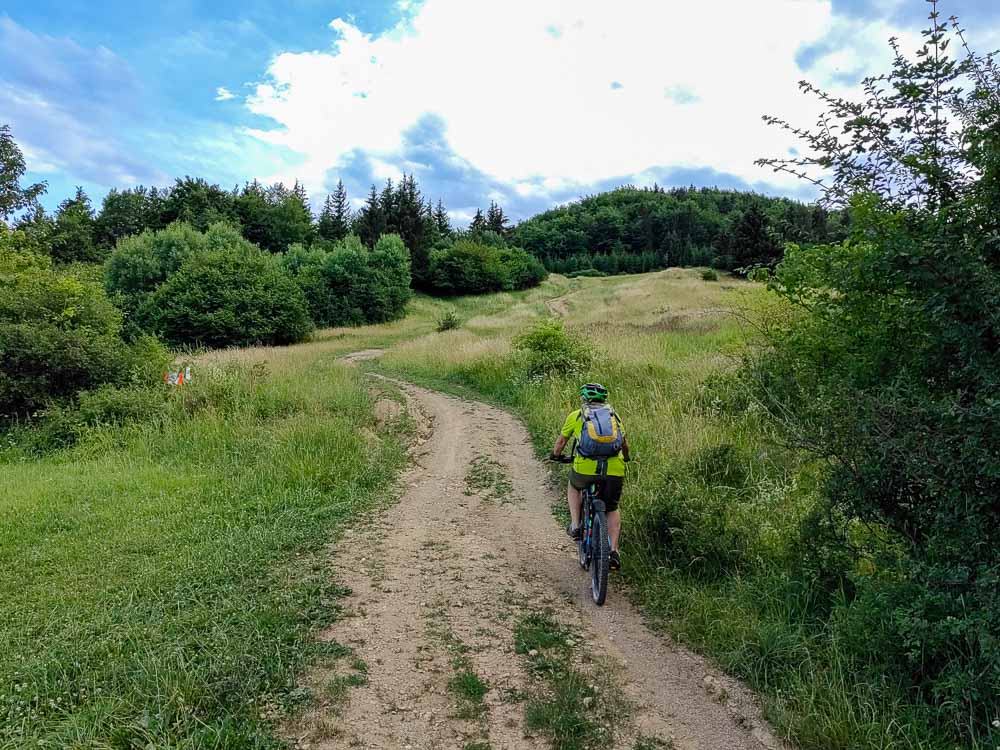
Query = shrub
x=472 y=267
x=449 y=321
x=351 y=285
x=60 y=335
x=548 y=349
x=709 y=274
x=228 y=296
x=889 y=370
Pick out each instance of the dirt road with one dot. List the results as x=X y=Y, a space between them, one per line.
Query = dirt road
x=442 y=579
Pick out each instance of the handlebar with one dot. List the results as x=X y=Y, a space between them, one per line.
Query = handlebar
x=569 y=459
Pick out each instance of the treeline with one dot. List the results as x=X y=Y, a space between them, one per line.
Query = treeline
x=632 y=230
x=276 y=218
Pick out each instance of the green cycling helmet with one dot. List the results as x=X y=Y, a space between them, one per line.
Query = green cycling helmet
x=594 y=392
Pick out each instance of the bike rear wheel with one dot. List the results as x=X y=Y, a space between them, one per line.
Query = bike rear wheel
x=600 y=546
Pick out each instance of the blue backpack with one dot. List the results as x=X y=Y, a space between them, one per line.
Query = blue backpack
x=601 y=434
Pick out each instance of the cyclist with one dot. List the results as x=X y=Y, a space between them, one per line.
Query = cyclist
x=586 y=471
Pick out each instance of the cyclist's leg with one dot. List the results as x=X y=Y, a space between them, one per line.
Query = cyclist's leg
x=611 y=492
x=614 y=528
x=574 y=499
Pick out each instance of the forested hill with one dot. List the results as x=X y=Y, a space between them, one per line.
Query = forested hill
x=631 y=230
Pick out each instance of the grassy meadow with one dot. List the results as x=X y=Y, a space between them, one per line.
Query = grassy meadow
x=160 y=579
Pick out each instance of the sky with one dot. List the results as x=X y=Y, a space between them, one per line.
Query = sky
x=527 y=102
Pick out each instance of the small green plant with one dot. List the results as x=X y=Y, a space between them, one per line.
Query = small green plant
x=469 y=690
x=448 y=322
x=709 y=274
x=547 y=349
x=488 y=476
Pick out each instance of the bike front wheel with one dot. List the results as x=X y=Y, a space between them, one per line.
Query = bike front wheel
x=600 y=546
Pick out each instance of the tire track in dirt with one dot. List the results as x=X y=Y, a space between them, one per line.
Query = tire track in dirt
x=446 y=572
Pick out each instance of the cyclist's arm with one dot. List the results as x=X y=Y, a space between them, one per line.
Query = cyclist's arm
x=557 y=449
x=625 y=452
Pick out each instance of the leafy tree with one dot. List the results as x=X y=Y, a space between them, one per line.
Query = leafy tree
x=197 y=203
x=72 y=237
x=33 y=231
x=470 y=267
x=14 y=197
x=350 y=284
x=888 y=368
x=127 y=212
x=59 y=336
x=335 y=219
x=291 y=221
x=234 y=295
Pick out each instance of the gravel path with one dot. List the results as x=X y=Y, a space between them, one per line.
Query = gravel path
x=449 y=570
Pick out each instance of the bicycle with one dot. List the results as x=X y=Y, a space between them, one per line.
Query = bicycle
x=594 y=546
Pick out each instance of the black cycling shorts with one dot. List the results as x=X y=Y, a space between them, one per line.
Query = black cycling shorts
x=611 y=487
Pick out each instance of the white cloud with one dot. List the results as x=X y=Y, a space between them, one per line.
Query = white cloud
x=222 y=94
x=526 y=105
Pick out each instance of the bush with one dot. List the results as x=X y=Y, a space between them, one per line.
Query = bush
x=709 y=274
x=60 y=335
x=229 y=296
x=547 y=349
x=449 y=321
x=351 y=285
x=470 y=267
x=889 y=370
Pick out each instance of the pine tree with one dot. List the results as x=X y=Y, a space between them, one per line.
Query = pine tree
x=73 y=235
x=478 y=223
x=335 y=219
x=387 y=202
x=495 y=219
x=441 y=220
x=370 y=223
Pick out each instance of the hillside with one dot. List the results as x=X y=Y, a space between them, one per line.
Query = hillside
x=633 y=230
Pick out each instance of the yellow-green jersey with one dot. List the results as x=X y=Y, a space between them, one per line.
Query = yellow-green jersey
x=572 y=428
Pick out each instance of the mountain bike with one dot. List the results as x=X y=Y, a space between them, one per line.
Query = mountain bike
x=594 y=546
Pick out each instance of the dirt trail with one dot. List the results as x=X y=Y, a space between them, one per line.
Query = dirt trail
x=449 y=570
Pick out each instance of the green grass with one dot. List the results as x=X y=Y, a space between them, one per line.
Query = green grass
x=159 y=582
x=490 y=478
x=469 y=690
x=573 y=709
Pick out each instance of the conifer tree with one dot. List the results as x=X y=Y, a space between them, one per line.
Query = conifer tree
x=370 y=221
x=478 y=223
x=335 y=219
x=495 y=219
x=441 y=220
x=73 y=236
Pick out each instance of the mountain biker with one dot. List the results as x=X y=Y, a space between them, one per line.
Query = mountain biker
x=586 y=471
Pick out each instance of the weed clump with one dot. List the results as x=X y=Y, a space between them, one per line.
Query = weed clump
x=448 y=322
x=547 y=349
